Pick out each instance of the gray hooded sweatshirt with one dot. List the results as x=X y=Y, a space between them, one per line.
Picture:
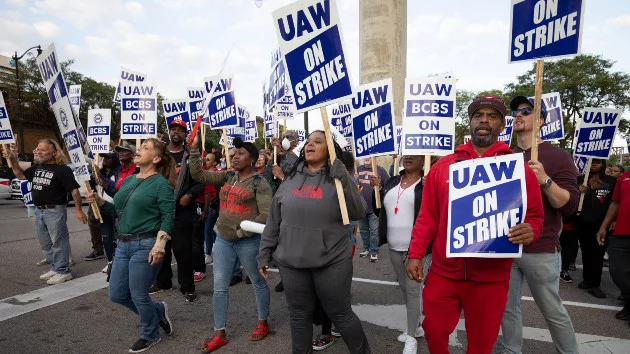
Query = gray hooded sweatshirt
x=304 y=228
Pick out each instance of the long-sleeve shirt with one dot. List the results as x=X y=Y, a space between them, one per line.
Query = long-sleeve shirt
x=150 y=208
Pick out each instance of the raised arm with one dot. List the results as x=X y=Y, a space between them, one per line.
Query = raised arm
x=11 y=155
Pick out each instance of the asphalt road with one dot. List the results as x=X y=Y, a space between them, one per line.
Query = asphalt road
x=77 y=317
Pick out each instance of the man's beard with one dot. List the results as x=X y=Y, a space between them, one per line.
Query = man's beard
x=484 y=141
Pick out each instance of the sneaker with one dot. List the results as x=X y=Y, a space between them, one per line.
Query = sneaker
x=198 y=276
x=94 y=256
x=42 y=262
x=335 y=332
x=142 y=344
x=364 y=254
x=59 y=278
x=411 y=346
x=320 y=343
x=572 y=267
x=374 y=258
x=154 y=289
x=597 y=292
x=235 y=280
x=49 y=274
x=584 y=285
x=165 y=321
x=403 y=337
x=624 y=314
x=247 y=280
x=106 y=266
x=280 y=287
x=564 y=275
x=208 y=259
x=190 y=297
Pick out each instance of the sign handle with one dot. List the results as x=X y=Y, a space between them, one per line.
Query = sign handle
x=203 y=137
x=227 y=150
x=333 y=157
x=275 y=155
x=585 y=183
x=377 y=191
x=138 y=143
x=396 y=165
x=427 y=164
x=540 y=64
x=95 y=210
x=5 y=147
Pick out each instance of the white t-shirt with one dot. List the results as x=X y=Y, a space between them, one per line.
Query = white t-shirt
x=399 y=225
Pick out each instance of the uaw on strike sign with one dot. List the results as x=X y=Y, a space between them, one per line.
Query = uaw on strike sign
x=595 y=132
x=222 y=111
x=487 y=197
x=372 y=120
x=309 y=36
x=138 y=116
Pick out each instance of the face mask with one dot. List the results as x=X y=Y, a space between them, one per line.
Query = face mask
x=286 y=144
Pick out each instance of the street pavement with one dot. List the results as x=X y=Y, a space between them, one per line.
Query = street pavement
x=77 y=317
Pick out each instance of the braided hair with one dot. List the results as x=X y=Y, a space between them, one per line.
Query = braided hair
x=302 y=158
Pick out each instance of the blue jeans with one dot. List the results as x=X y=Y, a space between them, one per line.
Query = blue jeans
x=369 y=233
x=542 y=272
x=225 y=257
x=129 y=283
x=209 y=233
x=353 y=239
x=107 y=231
x=54 y=238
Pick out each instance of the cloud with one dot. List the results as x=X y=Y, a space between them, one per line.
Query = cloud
x=81 y=14
x=47 y=29
x=621 y=21
x=134 y=9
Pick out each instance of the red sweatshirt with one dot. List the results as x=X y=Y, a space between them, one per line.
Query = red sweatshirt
x=432 y=221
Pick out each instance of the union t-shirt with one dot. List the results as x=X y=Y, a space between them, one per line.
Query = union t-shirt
x=51 y=183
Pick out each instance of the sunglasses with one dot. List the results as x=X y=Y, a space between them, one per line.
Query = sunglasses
x=524 y=111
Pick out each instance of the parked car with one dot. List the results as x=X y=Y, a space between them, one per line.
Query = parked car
x=16 y=193
x=5 y=188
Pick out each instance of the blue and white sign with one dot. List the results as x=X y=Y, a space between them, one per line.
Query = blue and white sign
x=399 y=135
x=271 y=126
x=580 y=163
x=138 y=115
x=487 y=196
x=75 y=98
x=6 y=134
x=595 y=132
x=342 y=118
x=99 y=130
x=195 y=103
x=239 y=130
x=285 y=108
x=27 y=197
x=176 y=110
x=373 y=120
x=127 y=76
x=301 y=135
x=50 y=68
x=75 y=102
x=251 y=130
x=553 y=129
x=506 y=134
x=311 y=41
x=277 y=87
x=429 y=121
x=467 y=138
x=628 y=143
x=221 y=112
x=545 y=29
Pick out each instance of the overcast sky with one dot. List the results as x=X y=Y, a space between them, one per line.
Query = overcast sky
x=179 y=42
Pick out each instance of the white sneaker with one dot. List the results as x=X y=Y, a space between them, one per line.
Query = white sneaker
x=403 y=337
x=419 y=332
x=411 y=346
x=105 y=269
x=208 y=259
x=364 y=254
x=42 y=262
x=49 y=274
x=374 y=258
x=59 y=278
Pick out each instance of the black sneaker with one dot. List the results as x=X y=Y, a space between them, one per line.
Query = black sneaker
x=584 y=285
x=564 y=275
x=165 y=321
x=142 y=344
x=154 y=289
x=280 y=287
x=247 y=280
x=94 y=256
x=235 y=280
x=572 y=267
x=597 y=292
x=624 y=314
x=190 y=296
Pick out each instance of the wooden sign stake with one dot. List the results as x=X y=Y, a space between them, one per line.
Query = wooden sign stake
x=95 y=210
x=333 y=157
x=585 y=183
x=537 y=95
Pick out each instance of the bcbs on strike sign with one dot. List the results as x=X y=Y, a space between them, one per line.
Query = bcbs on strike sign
x=309 y=36
x=486 y=198
x=138 y=116
x=99 y=126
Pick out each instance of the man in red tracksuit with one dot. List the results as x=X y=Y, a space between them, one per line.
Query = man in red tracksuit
x=478 y=285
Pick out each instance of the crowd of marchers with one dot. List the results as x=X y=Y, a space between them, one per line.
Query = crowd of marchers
x=165 y=198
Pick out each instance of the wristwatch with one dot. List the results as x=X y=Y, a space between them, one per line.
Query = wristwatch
x=547 y=183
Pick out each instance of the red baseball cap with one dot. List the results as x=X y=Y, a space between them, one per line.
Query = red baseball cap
x=487 y=101
x=180 y=123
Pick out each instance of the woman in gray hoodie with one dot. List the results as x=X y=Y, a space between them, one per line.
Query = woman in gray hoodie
x=306 y=237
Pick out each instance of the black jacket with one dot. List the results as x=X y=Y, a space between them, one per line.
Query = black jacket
x=186 y=185
x=382 y=217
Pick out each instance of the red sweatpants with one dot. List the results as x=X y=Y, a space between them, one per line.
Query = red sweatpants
x=483 y=304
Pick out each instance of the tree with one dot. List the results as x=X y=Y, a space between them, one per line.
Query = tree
x=583 y=81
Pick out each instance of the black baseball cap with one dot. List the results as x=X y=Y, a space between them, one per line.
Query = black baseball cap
x=519 y=100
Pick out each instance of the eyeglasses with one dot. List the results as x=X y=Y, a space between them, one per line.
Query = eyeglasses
x=524 y=111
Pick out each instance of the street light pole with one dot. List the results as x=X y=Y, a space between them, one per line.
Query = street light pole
x=19 y=94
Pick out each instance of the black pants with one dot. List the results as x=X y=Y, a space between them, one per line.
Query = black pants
x=331 y=284
x=198 y=239
x=619 y=263
x=181 y=244
x=592 y=253
x=569 y=244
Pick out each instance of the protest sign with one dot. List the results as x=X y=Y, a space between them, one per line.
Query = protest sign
x=271 y=126
x=175 y=110
x=545 y=29
x=373 y=120
x=399 y=134
x=580 y=163
x=251 y=130
x=75 y=97
x=127 y=76
x=195 y=103
x=221 y=111
x=342 y=118
x=301 y=135
x=487 y=196
x=25 y=189
x=595 y=132
x=506 y=133
x=50 y=68
x=467 y=138
x=311 y=42
x=99 y=129
x=239 y=130
x=6 y=134
x=553 y=128
x=628 y=143
x=277 y=89
x=429 y=122
x=138 y=115
x=285 y=109
x=344 y=143
x=75 y=102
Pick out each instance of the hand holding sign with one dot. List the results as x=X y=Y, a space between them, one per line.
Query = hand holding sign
x=521 y=234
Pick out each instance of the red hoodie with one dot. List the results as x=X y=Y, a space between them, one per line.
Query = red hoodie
x=432 y=221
